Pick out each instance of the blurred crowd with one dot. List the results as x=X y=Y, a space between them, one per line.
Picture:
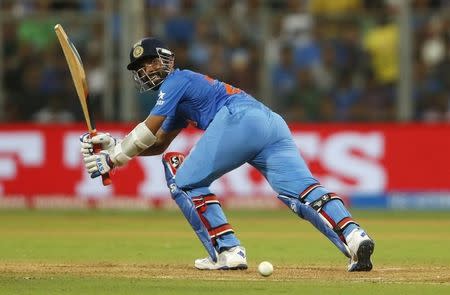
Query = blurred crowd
x=310 y=60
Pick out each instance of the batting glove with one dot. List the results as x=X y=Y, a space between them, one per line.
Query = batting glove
x=105 y=140
x=98 y=164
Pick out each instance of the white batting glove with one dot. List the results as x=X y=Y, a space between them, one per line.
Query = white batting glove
x=98 y=164
x=105 y=140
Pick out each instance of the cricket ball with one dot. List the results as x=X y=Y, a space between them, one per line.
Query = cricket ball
x=265 y=268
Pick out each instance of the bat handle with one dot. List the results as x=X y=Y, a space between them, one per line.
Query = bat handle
x=106 y=179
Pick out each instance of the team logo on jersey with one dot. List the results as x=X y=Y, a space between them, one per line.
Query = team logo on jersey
x=160 y=100
x=137 y=51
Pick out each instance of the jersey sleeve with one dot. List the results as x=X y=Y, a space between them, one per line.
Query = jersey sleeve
x=169 y=95
x=173 y=123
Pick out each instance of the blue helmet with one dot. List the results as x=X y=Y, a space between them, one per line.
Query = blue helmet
x=146 y=50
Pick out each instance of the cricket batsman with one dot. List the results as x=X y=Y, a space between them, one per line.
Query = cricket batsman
x=238 y=129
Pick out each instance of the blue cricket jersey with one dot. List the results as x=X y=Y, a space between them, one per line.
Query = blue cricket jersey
x=189 y=97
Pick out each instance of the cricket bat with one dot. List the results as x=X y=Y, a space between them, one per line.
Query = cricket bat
x=79 y=80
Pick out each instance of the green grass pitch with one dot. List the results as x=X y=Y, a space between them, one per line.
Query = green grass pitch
x=108 y=252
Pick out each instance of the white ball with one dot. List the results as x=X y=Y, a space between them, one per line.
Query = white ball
x=265 y=268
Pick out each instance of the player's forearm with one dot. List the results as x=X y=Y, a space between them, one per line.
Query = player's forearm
x=156 y=149
x=163 y=140
x=137 y=141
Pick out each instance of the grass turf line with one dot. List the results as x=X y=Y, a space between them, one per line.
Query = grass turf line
x=91 y=252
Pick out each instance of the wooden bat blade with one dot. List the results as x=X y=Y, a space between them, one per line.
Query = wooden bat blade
x=77 y=72
x=79 y=79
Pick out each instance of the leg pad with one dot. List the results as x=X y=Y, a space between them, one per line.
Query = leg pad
x=308 y=213
x=320 y=203
x=186 y=204
x=201 y=204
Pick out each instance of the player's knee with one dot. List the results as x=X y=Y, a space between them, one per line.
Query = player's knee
x=188 y=182
x=181 y=181
x=180 y=176
x=192 y=189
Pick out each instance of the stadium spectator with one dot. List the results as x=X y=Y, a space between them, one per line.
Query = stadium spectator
x=38 y=32
x=376 y=102
x=341 y=7
x=283 y=73
x=355 y=41
x=241 y=71
x=304 y=102
x=325 y=73
x=54 y=111
x=345 y=98
x=200 y=48
x=382 y=45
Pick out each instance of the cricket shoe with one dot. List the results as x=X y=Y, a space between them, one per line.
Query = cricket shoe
x=361 y=248
x=231 y=259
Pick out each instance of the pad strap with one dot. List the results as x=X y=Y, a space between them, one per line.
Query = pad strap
x=339 y=227
x=220 y=230
x=307 y=191
x=318 y=205
x=201 y=204
x=320 y=202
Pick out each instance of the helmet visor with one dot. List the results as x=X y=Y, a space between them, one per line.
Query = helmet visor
x=151 y=74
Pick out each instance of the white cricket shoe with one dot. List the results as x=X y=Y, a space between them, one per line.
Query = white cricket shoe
x=361 y=248
x=234 y=258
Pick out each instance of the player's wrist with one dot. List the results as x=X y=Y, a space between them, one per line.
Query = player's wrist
x=109 y=161
x=118 y=157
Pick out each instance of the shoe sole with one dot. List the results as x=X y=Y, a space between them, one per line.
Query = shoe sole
x=238 y=267
x=364 y=252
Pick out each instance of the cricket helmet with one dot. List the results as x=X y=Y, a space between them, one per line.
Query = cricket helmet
x=150 y=50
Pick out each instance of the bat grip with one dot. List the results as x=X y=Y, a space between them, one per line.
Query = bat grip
x=106 y=179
